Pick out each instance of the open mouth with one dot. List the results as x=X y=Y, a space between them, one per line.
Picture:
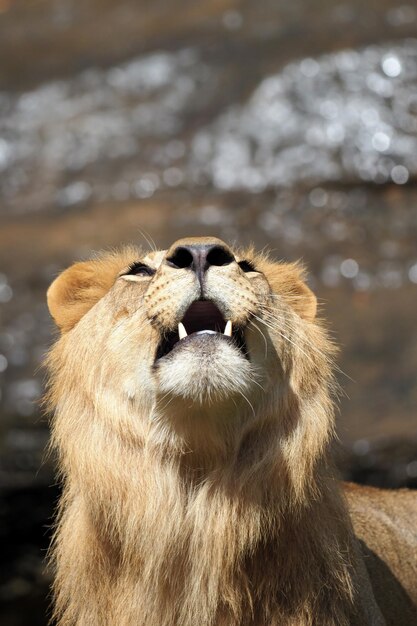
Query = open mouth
x=202 y=318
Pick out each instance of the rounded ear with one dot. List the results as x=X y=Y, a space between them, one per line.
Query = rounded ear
x=73 y=293
x=78 y=288
x=304 y=301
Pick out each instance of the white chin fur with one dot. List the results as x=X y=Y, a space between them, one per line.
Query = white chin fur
x=206 y=369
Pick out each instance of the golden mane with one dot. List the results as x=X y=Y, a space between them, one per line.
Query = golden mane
x=198 y=482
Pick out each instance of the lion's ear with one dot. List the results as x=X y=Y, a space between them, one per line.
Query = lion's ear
x=76 y=290
x=299 y=296
x=304 y=301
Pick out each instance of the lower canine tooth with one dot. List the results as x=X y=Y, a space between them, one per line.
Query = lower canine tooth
x=181 y=331
x=228 y=329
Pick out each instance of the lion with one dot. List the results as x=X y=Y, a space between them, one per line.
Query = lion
x=193 y=396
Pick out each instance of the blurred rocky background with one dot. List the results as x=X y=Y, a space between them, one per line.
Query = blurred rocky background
x=292 y=125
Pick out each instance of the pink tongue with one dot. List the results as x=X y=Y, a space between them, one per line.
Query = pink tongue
x=203 y=315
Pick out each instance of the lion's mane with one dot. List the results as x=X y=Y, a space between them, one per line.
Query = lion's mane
x=154 y=532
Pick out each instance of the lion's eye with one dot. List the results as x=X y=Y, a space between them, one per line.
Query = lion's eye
x=139 y=269
x=246 y=266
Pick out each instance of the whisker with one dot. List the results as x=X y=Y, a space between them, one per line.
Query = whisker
x=251 y=406
x=134 y=330
x=271 y=313
x=255 y=382
x=264 y=338
x=147 y=237
x=277 y=330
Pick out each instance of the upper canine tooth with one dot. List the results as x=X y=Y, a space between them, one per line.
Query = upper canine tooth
x=228 y=329
x=181 y=331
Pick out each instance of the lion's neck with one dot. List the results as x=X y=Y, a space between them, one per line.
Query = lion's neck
x=236 y=539
x=201 y=551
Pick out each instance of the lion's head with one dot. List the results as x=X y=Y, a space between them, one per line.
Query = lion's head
x=198 y=345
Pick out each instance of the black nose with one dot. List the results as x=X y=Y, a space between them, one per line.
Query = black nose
x=199 y=257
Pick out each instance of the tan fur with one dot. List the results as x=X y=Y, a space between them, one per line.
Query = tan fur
x=199 y=490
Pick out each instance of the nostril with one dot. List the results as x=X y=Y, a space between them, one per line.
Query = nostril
x=219 y=256
x=181 y=258
x=199 y=257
